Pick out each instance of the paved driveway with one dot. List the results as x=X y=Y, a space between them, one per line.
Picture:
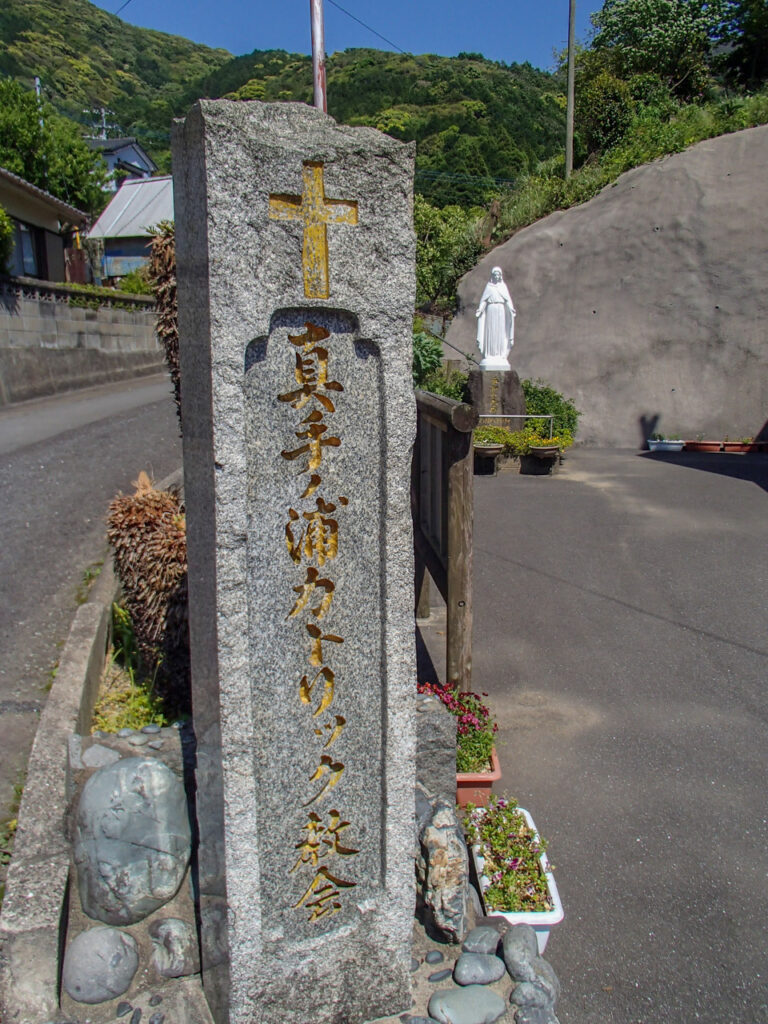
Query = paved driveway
x=620 y=630
x=62 y=460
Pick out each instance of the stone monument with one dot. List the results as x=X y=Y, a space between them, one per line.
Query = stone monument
x=295 y=254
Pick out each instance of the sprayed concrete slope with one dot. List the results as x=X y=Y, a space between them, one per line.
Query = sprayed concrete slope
x=648 y=305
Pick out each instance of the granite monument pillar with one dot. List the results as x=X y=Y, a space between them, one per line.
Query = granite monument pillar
x=295 y=255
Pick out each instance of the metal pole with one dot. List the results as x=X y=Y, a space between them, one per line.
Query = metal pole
x=571 y=90
x=318 y=54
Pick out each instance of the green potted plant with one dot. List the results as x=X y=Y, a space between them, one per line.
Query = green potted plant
x=536 y=451
x=491 y=441
x=515 y=877
x=659 y=443
x=477 y=764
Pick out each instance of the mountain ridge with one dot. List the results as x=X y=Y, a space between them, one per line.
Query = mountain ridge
x=471 y=118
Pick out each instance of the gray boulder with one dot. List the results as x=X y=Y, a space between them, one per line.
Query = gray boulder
x=174 y=948
x=472 y=1005
x=99 y=965
x=478 y=969
x=132 y=840
x=442 y=868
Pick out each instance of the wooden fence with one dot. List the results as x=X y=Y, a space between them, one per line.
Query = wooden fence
x=441 y=501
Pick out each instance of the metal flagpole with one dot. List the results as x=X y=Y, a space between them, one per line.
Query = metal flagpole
x=318 y=54
x=570 y=96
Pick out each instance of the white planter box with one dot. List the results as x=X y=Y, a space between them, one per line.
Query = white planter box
x=665 y=446
x=540 y=920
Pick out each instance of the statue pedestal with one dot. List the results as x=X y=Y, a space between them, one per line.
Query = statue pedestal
x=497 y=393
x=497 y=363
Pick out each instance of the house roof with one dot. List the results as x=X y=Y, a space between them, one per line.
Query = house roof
x=115 y=145
x=65 y=213
x=110 y=145
x=137 y=205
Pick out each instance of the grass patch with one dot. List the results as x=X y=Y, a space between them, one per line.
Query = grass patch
x=127 y=696
x=8 y=833
x=90 y=575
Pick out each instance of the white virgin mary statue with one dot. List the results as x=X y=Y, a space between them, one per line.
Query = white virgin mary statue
x=495 y=323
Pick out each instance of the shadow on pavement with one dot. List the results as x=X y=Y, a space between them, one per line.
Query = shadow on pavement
x=751 y=466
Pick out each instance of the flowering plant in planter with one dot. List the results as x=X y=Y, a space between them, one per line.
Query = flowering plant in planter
x=511 y=852
x=475 y=728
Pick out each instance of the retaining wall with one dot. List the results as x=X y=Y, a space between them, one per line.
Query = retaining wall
x=53 y=339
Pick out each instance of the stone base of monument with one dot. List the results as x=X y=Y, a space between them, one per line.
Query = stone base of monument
x=125 y=896
x=497 y=392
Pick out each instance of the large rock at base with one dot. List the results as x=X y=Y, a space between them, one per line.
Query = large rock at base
x=442 y=868
x=132 y=840
x=99 y=965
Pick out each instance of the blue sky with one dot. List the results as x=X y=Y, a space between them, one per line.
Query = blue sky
x=523 y=30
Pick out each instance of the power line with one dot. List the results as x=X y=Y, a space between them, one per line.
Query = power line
x=122 y=7
x=359 y=22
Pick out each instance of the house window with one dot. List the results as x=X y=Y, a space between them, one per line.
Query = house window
x=25 y=261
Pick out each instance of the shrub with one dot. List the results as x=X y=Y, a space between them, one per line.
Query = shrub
x=542 y=400
x=136 y=283
x=147 y=533
x=427 y=357
x=449 y=383
x=475 y=728
x=447 y=246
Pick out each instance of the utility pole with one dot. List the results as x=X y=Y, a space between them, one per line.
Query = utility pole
x=571 y=90
x=41 y=122
x=318 y=54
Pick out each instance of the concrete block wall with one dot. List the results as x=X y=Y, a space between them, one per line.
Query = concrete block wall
x=48 y=345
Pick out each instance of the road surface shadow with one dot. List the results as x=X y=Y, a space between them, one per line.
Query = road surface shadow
x=751 y=466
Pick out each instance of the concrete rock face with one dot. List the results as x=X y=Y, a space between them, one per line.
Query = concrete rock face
x=99 y=965
x=647 y=304
x=132 y=840
x=295 y=256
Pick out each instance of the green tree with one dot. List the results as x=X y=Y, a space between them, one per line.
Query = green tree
x=47 y=150
x=747 y=32
x=604 y=109
x=447 y=246
x=671 y=38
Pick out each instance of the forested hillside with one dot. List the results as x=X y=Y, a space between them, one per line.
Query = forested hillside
x=87 y=59
x=477 y=124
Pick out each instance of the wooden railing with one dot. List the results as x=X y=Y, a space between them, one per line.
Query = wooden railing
x=441 y=501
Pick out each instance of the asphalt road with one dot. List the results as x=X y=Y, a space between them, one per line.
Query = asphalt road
x=620 y=631
x=62 y=460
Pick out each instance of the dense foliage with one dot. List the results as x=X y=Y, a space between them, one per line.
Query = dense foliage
x=447 y=246
x=88 y=59
x=511 y=851
x=541 y=399
x=475 y=726
x=477 y=124
x=669 y=38
x=47 y=150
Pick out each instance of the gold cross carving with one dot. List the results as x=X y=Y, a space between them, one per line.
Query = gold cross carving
x=315 y=211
